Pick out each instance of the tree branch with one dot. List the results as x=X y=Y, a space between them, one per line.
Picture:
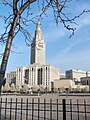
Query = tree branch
x=15 y=9
x=24 y=6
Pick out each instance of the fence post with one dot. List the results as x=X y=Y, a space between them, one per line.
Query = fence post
x=27 y=109
x=44 y=109
x=0 y=107
x=5 y=108
x=21 y=108
x=38 y=107
x=33 y=108
x=16 y=109
x=11 y=109
x=64 y=109
x=85 y=109
x=57 y=109
x=50 y=109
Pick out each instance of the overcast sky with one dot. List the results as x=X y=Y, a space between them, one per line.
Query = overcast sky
x=61 y=51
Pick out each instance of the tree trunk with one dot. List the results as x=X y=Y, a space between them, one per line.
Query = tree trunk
x=7 y=50
x=6 y=54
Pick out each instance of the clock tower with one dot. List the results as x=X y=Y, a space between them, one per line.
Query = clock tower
x=38 y=47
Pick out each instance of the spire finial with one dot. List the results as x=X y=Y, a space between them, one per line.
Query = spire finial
x=38 y=20
x=38 y=23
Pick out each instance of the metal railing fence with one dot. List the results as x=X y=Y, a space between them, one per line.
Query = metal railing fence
x=44 y=109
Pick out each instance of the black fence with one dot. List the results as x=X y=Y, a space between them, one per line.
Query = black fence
x=44 y=109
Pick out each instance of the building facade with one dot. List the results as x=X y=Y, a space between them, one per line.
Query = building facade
x=85 y=80
x=11 y=77
x=20 y=75
x=75 y=75
x=64 y=83
x=38 y=47
x=87 y=74
x=62 y=76
x=67 y=84
x=36 y=74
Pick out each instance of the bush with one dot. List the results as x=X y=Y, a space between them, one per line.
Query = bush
x=35 y=88
x=17 y=88
x=6 y=88
x=12 y=89
x=24 y=89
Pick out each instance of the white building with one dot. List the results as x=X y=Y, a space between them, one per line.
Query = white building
x=62 y=76
x=41 y=75
x=38 y=47
x=64 y=83
x=37 y=73
x=75 y=75
x=20 y=75
x=67 y=84
x=85 y=81
x=11 y=77
x=88 y=74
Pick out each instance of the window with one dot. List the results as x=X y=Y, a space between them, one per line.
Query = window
x=46 y=68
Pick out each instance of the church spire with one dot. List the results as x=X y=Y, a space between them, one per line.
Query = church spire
x=38 y=32
x=38 y=27
x=38 y=24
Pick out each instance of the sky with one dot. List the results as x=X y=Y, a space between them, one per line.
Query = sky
x=61 y=51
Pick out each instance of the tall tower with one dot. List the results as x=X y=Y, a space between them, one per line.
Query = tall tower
x=38 y=46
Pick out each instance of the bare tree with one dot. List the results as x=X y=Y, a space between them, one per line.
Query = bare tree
x=14 y=26
x=17 y=21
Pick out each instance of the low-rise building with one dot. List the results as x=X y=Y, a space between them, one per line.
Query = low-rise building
x=64 y=83
x=68 y=84
x=88 y=74
x=85 y=80
x=75 y=75
x=62 y=76
x=11 y=77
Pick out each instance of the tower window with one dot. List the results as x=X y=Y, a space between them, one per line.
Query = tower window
x=46 y=68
